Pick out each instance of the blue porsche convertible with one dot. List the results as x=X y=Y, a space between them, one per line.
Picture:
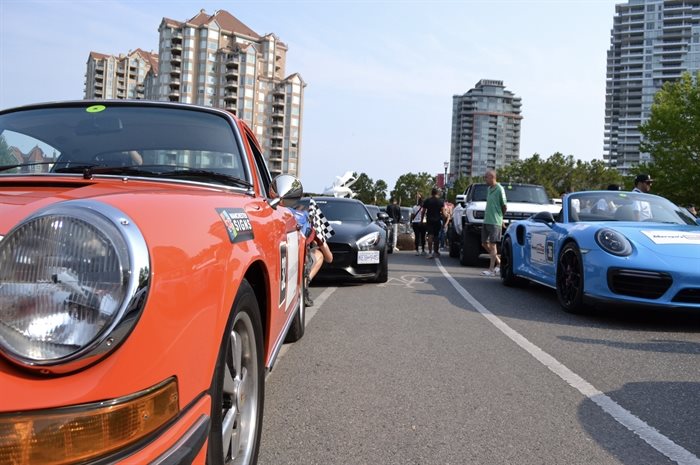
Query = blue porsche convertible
x=608 y=247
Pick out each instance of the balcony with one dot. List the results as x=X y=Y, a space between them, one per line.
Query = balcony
x=231 y=73
x=231 y=106
x=231 y=84
x=176 y=59
x=232 y=63
x=175 y=72
x=174 y=46
x=276 y=134
x=174 y=94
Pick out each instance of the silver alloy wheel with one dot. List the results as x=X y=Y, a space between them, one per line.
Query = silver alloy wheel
x=240 y=394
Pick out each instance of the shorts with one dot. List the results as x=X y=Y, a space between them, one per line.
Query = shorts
x=491 y=233
x=432 y=228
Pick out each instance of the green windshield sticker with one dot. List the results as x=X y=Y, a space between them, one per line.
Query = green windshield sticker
x=95 y=108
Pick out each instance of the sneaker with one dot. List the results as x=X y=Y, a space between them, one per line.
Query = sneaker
x=396 y=249
x=488 y=273
x=417 y=254
x=308 y=302
x=497 y=271
x=423 y=253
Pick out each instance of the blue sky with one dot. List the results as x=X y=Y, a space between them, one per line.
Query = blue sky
x=380 y=74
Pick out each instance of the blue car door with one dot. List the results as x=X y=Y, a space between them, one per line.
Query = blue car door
x=540 y=244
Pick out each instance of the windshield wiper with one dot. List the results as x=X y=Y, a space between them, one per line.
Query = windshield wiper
x=205 y=174
x=162 y=171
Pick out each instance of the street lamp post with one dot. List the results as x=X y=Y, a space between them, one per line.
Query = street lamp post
x=444 y=191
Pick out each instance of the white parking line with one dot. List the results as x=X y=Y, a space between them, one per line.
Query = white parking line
x=623 y=416
x=310 y=312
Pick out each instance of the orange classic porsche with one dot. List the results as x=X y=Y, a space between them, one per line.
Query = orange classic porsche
x=148 y=278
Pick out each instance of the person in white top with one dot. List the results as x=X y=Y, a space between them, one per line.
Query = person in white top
x=418 y=224
x=642 y=184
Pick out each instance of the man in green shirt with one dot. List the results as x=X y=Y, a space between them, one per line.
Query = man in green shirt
x=493 y=222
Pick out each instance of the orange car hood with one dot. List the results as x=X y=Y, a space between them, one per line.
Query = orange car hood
x=20 y=197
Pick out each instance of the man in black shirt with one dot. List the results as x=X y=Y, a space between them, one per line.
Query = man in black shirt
x=434 y=214
x=394 y=212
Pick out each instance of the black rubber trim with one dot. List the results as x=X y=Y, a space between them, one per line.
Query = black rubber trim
x=184 y=453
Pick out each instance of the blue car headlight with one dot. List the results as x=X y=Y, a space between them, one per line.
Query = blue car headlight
x=73 y=282
x=613 y=242
x=368 y=242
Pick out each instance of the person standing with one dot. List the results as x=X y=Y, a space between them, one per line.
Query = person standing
x=493 y=222
x=642 y=209
x=417 y=217
x=434 y=214
x=394 y=212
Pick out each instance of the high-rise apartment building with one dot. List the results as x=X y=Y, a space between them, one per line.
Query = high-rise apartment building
x=485 y=129
x=652 y=41
x=216 y=60
x=118 y=77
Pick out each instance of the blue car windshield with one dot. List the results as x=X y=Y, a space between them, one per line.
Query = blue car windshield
x=152 y=138
x=625 y=206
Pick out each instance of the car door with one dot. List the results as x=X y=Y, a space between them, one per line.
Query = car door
x=540 y=241
x=283 y=248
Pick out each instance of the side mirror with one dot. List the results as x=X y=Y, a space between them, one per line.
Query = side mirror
x=544 y=217
x=381 y=216
x=285 y=187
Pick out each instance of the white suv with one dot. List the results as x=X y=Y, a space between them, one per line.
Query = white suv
x=523 y=200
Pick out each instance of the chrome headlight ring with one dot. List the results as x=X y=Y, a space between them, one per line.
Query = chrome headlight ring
x=613 y=242
x=74 y=278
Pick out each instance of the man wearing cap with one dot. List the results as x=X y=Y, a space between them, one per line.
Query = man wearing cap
x=642 y=184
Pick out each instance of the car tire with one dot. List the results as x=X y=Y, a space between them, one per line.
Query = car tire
x=383 y=275
x=238 y=389
x=470 y=250
x=454 y=243
x=296 y=330
x=569 y=279
x=508 y=276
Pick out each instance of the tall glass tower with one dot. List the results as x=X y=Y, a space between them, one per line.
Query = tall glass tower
x=652 y=42
x=485 y=129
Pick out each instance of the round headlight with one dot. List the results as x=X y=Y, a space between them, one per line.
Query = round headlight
x=613 y=242
x=68 y=278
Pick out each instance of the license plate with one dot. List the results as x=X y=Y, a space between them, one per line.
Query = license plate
x=367 y=257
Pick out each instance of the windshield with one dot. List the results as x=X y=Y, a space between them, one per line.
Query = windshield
x=65 y=139
x=625 y=206
x=373 y=210
x=521 y=193
x=342 y=210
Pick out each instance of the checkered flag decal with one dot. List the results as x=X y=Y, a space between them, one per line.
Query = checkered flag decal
x=323 y=228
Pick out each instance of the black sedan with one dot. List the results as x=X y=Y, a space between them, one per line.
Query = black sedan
x=359 y=245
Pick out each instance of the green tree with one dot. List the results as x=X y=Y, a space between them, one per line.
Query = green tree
x=672 y=137
x=363 y=188
x=409 y=185
x=380 y=190
x=560 y=173
x=459 y=186
x=5 y=157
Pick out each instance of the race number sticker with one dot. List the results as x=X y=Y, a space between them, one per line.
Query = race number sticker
x=237 y=224
x=549 y=252
x=289 y=269
x=673 y=237
x=537 y=248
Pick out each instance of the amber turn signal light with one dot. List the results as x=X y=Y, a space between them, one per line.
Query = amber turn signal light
x=75 y=434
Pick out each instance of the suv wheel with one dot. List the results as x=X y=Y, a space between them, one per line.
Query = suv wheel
x=470 y=250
